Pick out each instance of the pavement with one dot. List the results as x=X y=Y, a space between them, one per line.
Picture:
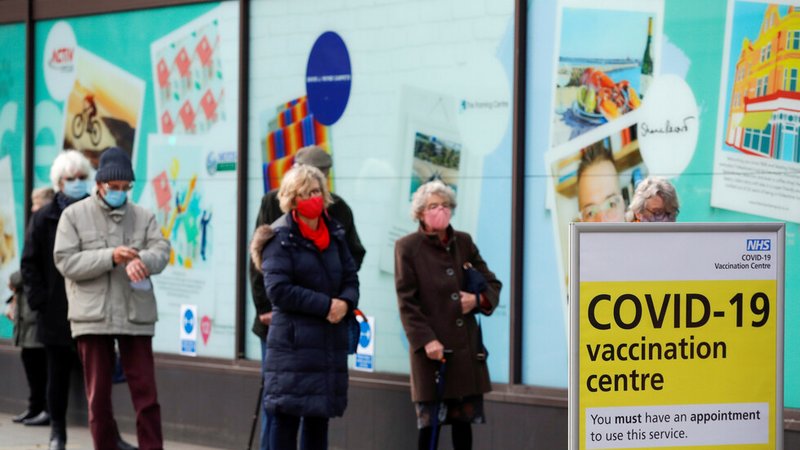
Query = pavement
x=14 y=436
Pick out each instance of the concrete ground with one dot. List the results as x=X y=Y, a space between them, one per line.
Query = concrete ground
x=15 y=436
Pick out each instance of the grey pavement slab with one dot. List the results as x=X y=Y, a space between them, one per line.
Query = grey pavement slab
x=14 y=436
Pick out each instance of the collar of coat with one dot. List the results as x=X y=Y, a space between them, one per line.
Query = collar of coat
x=264 y=233
x=433 y=238
x=116 y=214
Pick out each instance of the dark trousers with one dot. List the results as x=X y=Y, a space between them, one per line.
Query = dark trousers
x=136 y=355
x=61 y=360
x=34 y=360
x=462 y=437
x=283 y=432
x=266 y=416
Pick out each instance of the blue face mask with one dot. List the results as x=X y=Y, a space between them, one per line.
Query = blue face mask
x=115 y=199
x=75 y=189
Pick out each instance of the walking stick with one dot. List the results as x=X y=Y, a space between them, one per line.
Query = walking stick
x=437 y=405
x=255 y=414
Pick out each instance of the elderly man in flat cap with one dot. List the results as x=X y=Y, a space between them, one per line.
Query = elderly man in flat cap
x=269 y=212
x=107 y=248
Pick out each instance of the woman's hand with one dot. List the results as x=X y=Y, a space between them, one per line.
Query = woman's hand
x=337 y=311
x=469 y=302
x=435 y=350
x=265 y=318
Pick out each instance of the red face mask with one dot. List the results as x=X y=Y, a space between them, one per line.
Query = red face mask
x=312 y=207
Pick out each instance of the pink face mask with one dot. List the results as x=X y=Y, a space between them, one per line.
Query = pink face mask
x=437 y=219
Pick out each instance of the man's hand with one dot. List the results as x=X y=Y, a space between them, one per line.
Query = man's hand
x=337 y=311
x=123 y=254
x=137 y=271
x=265 y=318
x=435 y=350
x=469 y=302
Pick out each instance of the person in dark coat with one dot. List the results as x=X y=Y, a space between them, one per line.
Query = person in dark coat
x=311 y=280
x=437 y=314
x=269 y=212
x=44 y=286
x=34 y=358
x=45 y=291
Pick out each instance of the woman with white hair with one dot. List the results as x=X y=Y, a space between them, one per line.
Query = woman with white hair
x=655 y=200
x=44 y=285
x=438 y=309
x=310 y=278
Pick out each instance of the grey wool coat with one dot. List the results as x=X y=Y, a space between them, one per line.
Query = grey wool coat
x=428 y=276
x=99 y=294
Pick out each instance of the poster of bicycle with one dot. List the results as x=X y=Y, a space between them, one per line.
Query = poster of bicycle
x=104 y=108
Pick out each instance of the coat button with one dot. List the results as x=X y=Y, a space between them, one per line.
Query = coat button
x=450 y=272
x=454 y=296
x=459 y=322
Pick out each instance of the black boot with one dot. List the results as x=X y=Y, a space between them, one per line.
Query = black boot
x=24 y=415
x=41 y=419
x=122 y=445
x=58 y=436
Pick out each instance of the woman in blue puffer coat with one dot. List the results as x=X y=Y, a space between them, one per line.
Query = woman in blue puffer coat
x=311 y=280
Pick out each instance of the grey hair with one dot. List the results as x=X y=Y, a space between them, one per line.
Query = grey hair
x=649 y=188
x=68 y=162
x=298 y=178
x=420 y=197
x=43 y=194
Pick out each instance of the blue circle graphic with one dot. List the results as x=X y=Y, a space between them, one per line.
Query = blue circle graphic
x=328 y=78
x=366 y=334
x=188 y=321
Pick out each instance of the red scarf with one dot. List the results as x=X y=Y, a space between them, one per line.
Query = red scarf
x=320 y=237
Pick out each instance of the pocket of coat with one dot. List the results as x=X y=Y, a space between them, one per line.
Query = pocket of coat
x=87 y=302
x=142 y=307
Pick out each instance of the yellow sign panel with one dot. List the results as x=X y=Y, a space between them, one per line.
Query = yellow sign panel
x=677 y=364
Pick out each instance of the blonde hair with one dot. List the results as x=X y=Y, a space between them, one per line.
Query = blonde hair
x=68 y=162
x=298 y=179
x=436 y=187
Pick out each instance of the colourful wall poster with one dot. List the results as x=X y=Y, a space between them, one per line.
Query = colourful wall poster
x=687 y=85
x=189 y=76
x=757 y=157
x=593 y=182
x=677 y=355
x=103 y=109
x=606 y=58
x=190 y=189
x=98 y=85
x=10 y=245
x=12 y=130
x=402 y=112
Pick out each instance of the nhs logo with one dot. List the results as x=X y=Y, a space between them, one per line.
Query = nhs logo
x=759 y=245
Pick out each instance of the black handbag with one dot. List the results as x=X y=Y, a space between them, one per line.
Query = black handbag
x=475 y=283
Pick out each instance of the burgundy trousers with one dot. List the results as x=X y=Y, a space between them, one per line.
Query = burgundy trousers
x=136 y=355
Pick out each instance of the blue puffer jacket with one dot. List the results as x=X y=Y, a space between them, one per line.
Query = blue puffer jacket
x=307 y=360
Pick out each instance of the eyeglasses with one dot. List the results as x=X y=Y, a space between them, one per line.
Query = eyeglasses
x=125 y=188
x=432 y=206
x=316 y=192
x=658 y=216
x=76 y=177
x=592 y=212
